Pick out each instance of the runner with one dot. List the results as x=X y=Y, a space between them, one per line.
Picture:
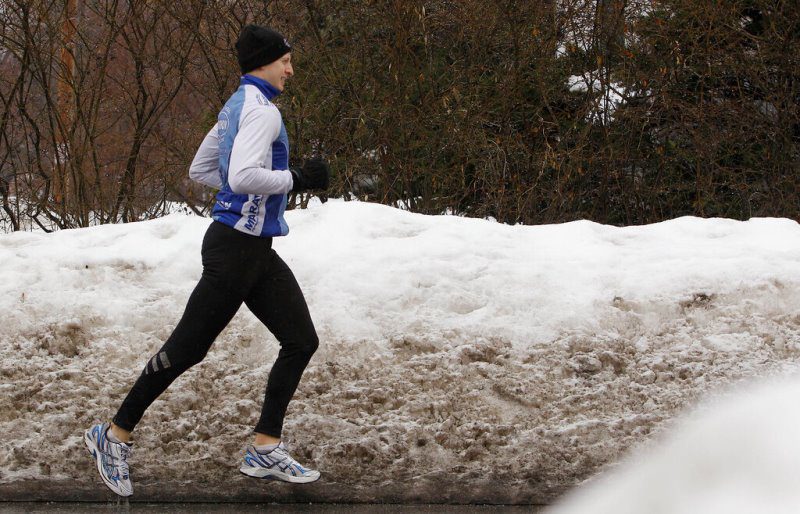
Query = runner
x=245 y=156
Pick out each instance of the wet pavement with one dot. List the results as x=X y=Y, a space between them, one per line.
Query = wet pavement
x=176 y=508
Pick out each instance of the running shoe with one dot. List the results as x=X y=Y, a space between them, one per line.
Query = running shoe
x=111 y=459
x=277 y=465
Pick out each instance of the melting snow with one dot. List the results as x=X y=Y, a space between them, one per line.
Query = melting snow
x=455 y=348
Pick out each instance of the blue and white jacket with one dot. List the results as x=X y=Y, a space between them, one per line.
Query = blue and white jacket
x=246 y=157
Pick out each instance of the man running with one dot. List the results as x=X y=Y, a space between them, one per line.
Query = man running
x=245 y=156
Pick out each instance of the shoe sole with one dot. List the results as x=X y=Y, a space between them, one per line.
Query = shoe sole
x=87 y=440
x=268 y=474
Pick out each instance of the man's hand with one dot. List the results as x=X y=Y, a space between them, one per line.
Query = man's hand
x=314 y=174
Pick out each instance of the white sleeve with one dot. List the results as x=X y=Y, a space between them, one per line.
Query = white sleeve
x=205 y=165
x=247 y=173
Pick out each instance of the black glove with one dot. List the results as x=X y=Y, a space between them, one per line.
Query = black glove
x=314 y=174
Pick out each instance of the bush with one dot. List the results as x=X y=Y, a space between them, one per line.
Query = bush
x=622 y=112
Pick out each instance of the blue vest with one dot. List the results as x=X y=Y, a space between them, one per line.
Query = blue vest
x=242 y=211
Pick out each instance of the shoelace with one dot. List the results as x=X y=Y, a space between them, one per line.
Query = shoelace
x=122 y=463
x=287 y=459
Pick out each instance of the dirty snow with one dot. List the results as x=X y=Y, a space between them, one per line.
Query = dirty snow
x=452 y=349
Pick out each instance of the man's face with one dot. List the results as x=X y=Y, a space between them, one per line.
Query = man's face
x=277 y=72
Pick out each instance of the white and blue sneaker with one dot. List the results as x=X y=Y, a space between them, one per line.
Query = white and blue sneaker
x=111 y=459
x=277 y=465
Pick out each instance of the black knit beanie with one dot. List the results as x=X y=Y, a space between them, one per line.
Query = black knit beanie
x=258 y=46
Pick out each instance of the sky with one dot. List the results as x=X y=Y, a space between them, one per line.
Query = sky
x=549 y=354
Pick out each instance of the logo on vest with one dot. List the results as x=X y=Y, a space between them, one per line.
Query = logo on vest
x=252 y=216
x=222 y=122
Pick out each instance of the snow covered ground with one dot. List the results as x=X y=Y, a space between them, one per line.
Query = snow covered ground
x=452 y=349
x=738 y=453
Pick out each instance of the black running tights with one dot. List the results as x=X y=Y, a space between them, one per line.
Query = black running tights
x=237 y=268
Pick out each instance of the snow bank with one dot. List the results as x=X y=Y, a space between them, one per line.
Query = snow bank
x=738 y=454
x=453 y=350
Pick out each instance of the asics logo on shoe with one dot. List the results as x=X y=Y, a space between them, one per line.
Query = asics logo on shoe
x=251 y=461
x=108 y=466
x=286 y=464
x=277 y=464
x=261 y=460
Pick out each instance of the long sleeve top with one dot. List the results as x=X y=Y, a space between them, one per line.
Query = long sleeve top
x=246 y=156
